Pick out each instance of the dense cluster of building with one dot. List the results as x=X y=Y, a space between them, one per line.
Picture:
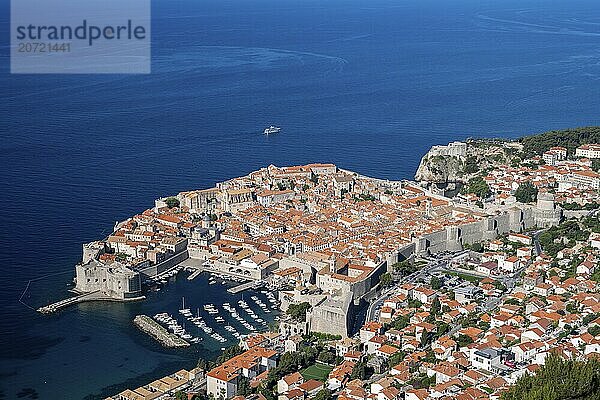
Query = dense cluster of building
x=569 y=180
x=308 y=225
x=162 y=388
x=444 y=342
x=323 y=237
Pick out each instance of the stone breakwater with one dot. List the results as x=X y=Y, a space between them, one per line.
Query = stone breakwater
x=160 y=334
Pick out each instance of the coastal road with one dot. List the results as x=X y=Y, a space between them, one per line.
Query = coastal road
x=434 y=265
x=536 y=243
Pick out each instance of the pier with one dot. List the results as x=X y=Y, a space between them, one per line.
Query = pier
x=92 y=296
x=195 y=274
x=244 y=286
x=160 y=334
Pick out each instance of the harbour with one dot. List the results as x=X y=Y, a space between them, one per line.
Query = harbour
x=225 y=323
x=155 y=283
x=112 y=322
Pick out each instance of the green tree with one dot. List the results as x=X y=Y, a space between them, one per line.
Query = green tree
x=423 y=381
x=589 y=318
x=401 y=322
x=478 y=186
x=499 y=285
x=289 y=362
x=435 y=283
x=396 y=358
x=325 y=336
x=526 y=193
x=570 y=138
x=385 y=279
x=477 y=247
x=324 y=394
x=513 y=301
x=573 y=307
x=298 y=311
x=172 y=202
x=424 y=338
x=403 y=268
x=442 y=328
x=463 y=340
x=436 y=307
x=327 y=357
x=471 y=165
x=228 y=353
x=559 y=379
x=202 y=364
x=243 y=386
x=415 y=303
x=361 y=371
x=552 y=240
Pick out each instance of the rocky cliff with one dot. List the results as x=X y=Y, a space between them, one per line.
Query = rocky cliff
x=452 y=163
x=441 y=169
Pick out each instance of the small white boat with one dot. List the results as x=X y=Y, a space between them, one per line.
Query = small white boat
x=271 y=129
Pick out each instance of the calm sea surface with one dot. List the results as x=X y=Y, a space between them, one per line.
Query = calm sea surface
x=368 y=85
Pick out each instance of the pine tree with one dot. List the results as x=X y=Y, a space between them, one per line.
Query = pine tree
x=559 y=379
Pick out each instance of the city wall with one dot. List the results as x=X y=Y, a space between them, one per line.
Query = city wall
x=333 y=315
x=166 y=265
x=452 y=238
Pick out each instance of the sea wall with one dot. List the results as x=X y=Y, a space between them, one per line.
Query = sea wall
x=116 y=281
x=160 y=334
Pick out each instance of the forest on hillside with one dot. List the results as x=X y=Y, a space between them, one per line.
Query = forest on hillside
x=559 y=379
x=569 y=138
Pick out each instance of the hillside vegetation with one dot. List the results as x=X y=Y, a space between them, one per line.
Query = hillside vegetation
x=482 y=155
x=487 y=154
x=559 y=379
x=569 y=138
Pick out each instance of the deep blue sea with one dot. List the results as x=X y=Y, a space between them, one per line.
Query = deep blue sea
x=368 y=85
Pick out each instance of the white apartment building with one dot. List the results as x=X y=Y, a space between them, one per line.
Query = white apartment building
x=588 y=150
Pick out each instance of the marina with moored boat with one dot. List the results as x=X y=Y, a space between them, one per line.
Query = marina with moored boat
x=225 y=323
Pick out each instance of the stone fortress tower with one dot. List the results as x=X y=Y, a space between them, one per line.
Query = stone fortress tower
x=547 y=212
